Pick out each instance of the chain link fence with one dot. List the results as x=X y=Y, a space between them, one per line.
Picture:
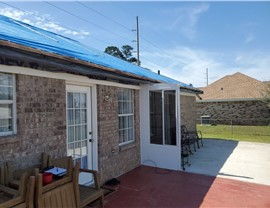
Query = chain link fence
x=245 y=129
x=207 y=120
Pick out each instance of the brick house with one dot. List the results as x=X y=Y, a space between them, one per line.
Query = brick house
x=235 y=98
x=60 y=97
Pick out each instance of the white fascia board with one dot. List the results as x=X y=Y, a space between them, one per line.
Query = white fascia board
x=187 y=94
x=69 y=78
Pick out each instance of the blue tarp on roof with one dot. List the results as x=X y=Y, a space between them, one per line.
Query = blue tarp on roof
x=27 y=35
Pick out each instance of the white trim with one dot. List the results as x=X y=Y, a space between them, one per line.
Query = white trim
x=70 y=78
x=92 y=122
x=94 y=126
x=164 y=156
x=187 y=94
x=14 y=106
x=127 y=115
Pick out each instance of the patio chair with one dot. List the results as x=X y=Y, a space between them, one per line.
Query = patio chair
x=184 y=156
x=188 y=139
x=198 y=136
x=87 y=194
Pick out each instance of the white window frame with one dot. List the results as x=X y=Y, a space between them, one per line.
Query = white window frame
x=127 y=115
x=13 y=103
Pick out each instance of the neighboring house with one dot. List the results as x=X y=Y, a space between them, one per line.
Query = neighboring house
x=63 y=98
x=236 y=99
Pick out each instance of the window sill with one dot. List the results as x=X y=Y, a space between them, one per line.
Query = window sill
x=127 y=146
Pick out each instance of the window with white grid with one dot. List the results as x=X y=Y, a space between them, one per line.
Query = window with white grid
x=126 y=116
x=7 y=104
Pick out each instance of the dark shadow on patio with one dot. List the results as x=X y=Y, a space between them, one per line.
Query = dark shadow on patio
x=153 y=187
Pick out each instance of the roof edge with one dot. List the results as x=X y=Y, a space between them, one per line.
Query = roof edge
x=66 y=58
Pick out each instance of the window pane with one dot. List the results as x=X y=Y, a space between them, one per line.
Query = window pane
x=77 y=116
x=169 y=117
x=126 y=118
x=70 y=133
x=156 y=121
x=5 y=125
x=6 y=93
x=76 y=100
x=130 y=121
x=70 y=100
x=121 y=138
x=70 y=117
x=6 y=79
x=83 y=116
x=6 y=118
x=77 y=133
x=84 y=147
x=77 y=149
x=83 y=100
x=84 y=132
x=5 y=110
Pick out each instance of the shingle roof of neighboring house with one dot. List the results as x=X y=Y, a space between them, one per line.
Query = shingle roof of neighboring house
x=235 y=86
x=22 y=34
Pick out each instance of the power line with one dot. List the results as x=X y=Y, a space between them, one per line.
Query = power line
x=85 y=20
x=46 y=19
x=108 y=18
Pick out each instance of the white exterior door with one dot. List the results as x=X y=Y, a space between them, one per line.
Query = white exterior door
x=79 y=128
x=160 y=126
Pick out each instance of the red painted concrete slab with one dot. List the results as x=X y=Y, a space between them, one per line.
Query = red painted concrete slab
x=151 y=187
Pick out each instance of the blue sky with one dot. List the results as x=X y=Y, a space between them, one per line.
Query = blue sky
x=181 y=39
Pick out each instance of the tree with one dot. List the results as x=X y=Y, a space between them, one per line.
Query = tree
x=125 y=53
x=114 y=51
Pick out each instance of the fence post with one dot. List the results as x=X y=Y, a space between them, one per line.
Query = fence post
x=232 y=126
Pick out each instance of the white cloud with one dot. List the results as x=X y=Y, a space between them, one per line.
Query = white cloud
x=41 y=21
x=189 y=65
x=187 y=18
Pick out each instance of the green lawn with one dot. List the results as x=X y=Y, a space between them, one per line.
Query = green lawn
x=239 y=133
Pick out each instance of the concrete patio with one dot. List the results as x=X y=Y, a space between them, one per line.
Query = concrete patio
x=244 y=161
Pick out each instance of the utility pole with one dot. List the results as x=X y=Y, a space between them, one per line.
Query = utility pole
x=138 y=49
x=206 y=76
x=137 y=40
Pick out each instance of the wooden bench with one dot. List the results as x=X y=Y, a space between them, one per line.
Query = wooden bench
x=60 y=196
x=87 y=194
x=12 y=176
x=22 y=198
x=48 y=195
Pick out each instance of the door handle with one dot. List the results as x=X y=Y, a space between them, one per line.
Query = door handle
x=91 y=140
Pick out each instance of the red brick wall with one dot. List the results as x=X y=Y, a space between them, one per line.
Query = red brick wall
x=115 y=160
x=41 y=121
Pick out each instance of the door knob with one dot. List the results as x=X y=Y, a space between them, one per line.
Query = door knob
x=91 y=140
